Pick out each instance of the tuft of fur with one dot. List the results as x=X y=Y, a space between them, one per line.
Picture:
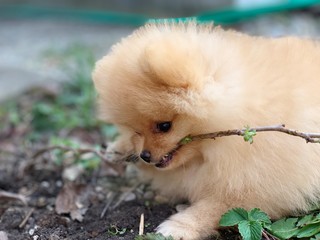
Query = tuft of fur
x=204 y=79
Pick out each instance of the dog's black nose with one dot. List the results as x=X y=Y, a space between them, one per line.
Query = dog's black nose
x=146 y=156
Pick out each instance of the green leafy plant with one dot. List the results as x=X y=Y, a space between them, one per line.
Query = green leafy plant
x=307 y=226
x=152 y=236
x=252 y=224
x=74 y=105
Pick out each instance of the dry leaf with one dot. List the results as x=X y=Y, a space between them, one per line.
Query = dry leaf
x=74 y=199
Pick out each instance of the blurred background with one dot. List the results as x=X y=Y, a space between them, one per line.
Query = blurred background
x=31 y=28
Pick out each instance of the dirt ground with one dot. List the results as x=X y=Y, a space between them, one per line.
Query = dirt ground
x=35 y=217
x=38 y=219
x=45 y=223
x=43 y=185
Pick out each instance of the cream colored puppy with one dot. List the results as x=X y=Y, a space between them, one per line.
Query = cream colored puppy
x=167 y=81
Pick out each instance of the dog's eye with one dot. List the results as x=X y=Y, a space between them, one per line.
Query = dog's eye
x=163 y=126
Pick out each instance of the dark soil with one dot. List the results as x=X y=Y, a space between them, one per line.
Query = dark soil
x=43 y=185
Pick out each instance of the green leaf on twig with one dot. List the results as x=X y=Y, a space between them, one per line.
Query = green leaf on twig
x=186 y=140
x=248 y=134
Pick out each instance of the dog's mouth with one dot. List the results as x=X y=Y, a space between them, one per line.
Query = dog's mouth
x=166 y=159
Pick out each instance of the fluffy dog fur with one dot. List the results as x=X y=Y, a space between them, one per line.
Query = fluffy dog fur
x=204 y=79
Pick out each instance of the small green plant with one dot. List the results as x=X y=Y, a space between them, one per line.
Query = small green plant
x=252 y=224
x=74 y=105
x=11 y=115
x=89 y=163
x=152 y=236
x=186 y=140
x=114 y=230
x=249 y=134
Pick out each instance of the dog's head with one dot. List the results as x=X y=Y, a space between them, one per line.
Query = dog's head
x=153 y=85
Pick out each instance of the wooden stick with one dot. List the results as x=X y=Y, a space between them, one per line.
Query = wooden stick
x=141 y=225
x=24 y=221
x=79 y=151
x=309 y=137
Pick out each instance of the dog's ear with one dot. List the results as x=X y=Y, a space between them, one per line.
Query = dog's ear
x=173 y=62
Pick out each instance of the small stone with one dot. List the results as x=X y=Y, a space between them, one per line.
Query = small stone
x=24 y=191
x=31 y=231
x=3 y=235
x=59 y=183
x=149 y=195
x=54 y=236
x=73 y=172
x=36 y=237
x=42 y=202
x=45 y=184
x=130 y=197
x=101 y=196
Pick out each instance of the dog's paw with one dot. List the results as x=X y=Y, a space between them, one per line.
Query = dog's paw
x=178 y=230
x=113 y=154
x=119 y=152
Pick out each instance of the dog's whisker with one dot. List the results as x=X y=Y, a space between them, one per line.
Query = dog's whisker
x=132 y=158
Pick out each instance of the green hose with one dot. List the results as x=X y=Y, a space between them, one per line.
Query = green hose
x=223 y=16
x=235 y=15
x=25 y=11
x=231 y=16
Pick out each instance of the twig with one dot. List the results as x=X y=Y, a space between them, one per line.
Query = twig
x=78 y=151
x=110 y=198
x=268 y=236
x=309 y=137
x=24 y=221
x=124 y=195
x=15 y=196
x=265 y=235
x=141 y=225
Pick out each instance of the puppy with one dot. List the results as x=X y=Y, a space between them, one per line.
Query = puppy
x=167 y=81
